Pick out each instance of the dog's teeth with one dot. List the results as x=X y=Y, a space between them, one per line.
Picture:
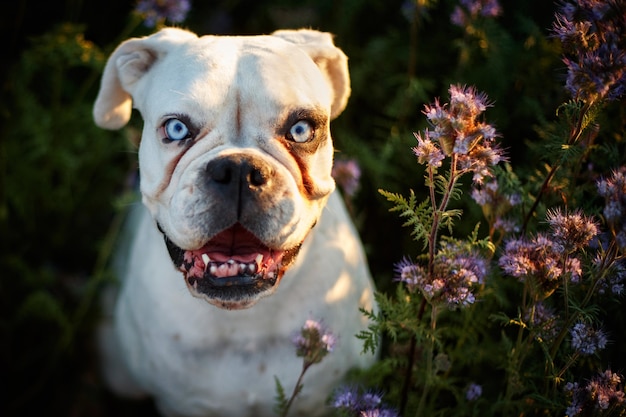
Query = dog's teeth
x=213 y=269
x=231 y=262
x=242 y=268
x=258 y=258
x=271 y=275
x=206 y=259
x=252 y=268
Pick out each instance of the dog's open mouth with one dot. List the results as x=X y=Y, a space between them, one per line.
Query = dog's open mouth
x=233 y=269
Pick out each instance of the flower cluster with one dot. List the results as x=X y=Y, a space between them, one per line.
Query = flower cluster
x=350 y=401
x=613 y=189
x=457 y=130
x=313 y=342
x=572 y=231
x=586 y=340
x=347 y=174
x=540 y=258
x=543 y=322
x=468 y=10
x=456 y=271
x=601 y=393
x=496 y=204
x=613 y=280
x=156 y=12
x=594 y=46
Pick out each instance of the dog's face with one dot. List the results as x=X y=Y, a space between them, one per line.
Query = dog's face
x=236 y=154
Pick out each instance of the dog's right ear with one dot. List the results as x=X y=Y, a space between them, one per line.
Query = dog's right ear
x=130 y=61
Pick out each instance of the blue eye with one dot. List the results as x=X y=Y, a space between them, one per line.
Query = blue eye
x=176 y=130
x=301 y=131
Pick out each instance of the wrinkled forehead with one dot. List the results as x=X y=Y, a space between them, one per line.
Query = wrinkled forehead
x=263 y=70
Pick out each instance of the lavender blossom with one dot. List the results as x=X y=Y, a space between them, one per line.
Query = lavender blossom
x=469 y=10
x=594 y=46
x=352 y=402
x=157 y=11
x=544 y=322
x=571 y=231
x=473 y=392
x=347 y=174
x=539 y=258
x=427 y=152
x=313 y=342
x=613 y=189
x=457 y=130
x=455 y=273
x=613 y=280
x=587 y=340
x=602 y=392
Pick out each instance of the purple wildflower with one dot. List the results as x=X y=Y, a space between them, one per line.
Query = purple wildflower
x=473 y=392
x=544 y=322
x=602 y=392
x=571 y=231
x=314 y=341
x=347 y=174
x=587 y=340
x=409 y=273
x=157 y=11
x=592 y=35
x=457 y=130
x=470 y=10
x=613 y=189
x=540 y=258
x=427 y=152
x=346 y=398
x=613 y=280
x=455 y=273
x=351 y=402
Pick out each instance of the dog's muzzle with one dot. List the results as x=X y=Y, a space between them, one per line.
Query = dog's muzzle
x=235 y=268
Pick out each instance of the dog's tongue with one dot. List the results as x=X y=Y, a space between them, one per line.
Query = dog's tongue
x=235 y=243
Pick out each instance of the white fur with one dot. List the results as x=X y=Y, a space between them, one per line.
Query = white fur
x=196 y=359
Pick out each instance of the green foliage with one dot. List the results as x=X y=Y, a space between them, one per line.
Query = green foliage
x=62 y=181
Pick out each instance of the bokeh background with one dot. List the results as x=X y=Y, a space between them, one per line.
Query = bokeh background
x=64 y=183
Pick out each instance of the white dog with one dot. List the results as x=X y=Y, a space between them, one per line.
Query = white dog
x=235 y=161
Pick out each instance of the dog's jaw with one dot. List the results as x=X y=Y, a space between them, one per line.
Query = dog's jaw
x=234 y=269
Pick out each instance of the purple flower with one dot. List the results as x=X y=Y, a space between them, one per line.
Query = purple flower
x=613 y=189
x=473 y=392
x=456 y=129
x=592 y=35
x=455 y=273
x=544 y=322
x=314 y=341
x=470 y=10
x=157 y=11
x=347 y=174
x=601 y=393
x=409 y=273
x=352 y=402
x=539 y=258
x=587 y=340
x=427 y=152
x=571 y=231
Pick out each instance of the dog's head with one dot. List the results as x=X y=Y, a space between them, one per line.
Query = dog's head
x=236 y=153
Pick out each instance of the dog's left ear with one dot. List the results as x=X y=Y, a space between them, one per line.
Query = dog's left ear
x=125 y=68
x=331 y=61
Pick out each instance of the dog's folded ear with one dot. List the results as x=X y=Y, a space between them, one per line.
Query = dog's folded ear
x=123 y=71
x=331 y=60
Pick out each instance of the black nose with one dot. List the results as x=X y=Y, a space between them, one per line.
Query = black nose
x=238 y=178
x=238 y=170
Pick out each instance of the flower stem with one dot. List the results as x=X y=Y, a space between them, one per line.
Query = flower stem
x=429 y=361
x=296 y=390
